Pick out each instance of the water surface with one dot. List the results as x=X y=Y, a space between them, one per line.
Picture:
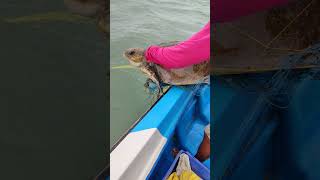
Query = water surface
x=138 y=23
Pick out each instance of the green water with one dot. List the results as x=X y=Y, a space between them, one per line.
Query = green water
x=138 y=23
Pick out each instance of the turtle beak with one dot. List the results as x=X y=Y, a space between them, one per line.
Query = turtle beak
x=134 y=56
x=127 y=55
x=130 y=52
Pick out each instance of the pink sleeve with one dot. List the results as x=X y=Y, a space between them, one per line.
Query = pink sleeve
x=227 y=10
x=194 y=50
x=197 y=48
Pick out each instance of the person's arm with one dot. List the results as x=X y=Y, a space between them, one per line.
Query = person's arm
x=194 y=50
x=197 y=48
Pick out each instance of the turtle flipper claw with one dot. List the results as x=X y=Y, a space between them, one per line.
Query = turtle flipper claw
x=152 y=87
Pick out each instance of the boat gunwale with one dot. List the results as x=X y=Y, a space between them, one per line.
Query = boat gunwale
x=106 y=170
x=138 y=121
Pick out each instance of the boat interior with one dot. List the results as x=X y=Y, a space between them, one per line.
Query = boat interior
x=175 y=122
x=188 y=132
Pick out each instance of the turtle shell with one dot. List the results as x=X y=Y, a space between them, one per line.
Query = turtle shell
x=194 y=74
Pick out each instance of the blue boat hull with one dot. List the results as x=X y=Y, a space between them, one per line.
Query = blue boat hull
x=177 y=120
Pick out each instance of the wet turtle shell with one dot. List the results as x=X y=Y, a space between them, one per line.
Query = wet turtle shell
x=195 y=74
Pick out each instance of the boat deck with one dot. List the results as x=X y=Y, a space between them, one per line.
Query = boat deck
x=176 y=121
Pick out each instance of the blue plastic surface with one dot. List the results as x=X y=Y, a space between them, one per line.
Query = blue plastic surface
x=187 y=112
x=196 y=166
x=207 y=163
x=190 y=130
x=165 y=114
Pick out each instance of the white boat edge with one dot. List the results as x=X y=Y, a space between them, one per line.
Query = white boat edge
x=135 y=156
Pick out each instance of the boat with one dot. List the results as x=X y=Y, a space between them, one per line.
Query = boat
x=266 y=125
x=176 y=121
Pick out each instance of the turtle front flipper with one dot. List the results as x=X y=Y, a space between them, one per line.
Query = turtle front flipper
x=147 y=84
x=152 y=87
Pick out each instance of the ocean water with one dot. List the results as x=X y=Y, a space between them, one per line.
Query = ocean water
x=139 y=23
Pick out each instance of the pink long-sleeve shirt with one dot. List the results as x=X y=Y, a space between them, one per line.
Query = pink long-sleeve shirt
x=191 y=51
x=196 y=49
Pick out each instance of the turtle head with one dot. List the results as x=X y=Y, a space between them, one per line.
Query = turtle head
x=135 y=56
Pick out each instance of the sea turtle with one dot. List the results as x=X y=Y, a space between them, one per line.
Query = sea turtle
x=194 y=74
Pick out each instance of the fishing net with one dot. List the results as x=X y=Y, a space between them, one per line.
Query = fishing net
x=152 y=89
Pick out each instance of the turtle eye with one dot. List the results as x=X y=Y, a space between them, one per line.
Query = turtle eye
x=131 y=53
